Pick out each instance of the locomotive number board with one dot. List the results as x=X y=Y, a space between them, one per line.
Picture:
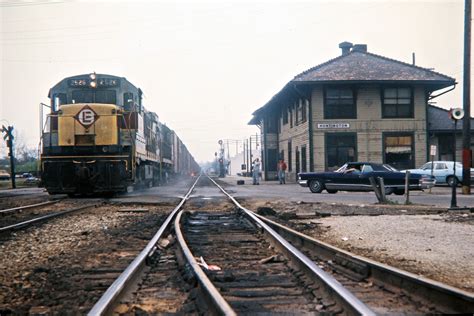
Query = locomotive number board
x=101 y=82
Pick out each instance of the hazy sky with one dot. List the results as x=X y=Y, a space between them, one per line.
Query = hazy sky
x=206 y=66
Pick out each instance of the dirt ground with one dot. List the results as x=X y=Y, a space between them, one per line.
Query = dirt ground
x=427 y=241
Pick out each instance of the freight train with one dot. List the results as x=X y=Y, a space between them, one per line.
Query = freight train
x=99 y=138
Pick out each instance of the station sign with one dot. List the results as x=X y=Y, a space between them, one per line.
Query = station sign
x=334 y=125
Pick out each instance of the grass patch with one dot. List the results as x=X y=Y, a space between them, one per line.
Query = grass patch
x=20 y=183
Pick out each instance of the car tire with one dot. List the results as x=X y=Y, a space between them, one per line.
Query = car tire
x=316 y=186
x=399 y=191
x=450 y=179
x=331 y=191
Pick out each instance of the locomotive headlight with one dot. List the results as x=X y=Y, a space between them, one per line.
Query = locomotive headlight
x=93 y=84
x=92 y=76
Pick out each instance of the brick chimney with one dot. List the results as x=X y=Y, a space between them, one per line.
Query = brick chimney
x=345 y=47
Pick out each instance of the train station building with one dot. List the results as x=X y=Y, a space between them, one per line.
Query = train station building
x=358 y=106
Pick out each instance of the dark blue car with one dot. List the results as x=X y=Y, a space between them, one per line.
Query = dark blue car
x=354 y=176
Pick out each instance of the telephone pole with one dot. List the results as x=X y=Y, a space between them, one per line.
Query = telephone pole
x=466 y=127
x=9 y=138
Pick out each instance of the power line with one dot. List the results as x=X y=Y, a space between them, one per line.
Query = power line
x=28 y=3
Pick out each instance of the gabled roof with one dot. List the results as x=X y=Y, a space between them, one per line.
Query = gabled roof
x=364 y=66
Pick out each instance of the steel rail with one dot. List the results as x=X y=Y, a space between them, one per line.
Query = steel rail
x=214 y=299
x=451 y=297
x=43 y=218
x=25 y=207
x=350 y=303
x=106 y=303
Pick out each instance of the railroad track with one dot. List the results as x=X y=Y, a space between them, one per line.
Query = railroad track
x=26 y=207
x=234 y=262
x=14 y=218
x=85 y=253
x=384 y=289
x=273 y=273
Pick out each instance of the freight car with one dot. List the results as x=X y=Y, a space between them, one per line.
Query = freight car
x=99 y=138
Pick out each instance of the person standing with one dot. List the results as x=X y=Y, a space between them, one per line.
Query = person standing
x=256 y=171
x=281 y=171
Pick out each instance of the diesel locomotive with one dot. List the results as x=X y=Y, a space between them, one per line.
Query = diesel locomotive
x=99 y=138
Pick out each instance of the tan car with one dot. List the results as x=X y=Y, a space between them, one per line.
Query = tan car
x=4 y=175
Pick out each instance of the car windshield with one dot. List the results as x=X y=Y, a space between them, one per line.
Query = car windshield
x=342 y=169
x=365 y=168
x=390 y=168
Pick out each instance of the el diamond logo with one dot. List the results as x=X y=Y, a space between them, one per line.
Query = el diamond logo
x=86 y=116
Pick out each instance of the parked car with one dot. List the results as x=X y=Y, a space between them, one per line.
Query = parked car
x=4 y=175
x=354 y=176
x=442 y=171
x=32 y=180
x=26 y=175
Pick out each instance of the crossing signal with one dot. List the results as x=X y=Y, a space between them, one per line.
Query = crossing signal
x=9 y=138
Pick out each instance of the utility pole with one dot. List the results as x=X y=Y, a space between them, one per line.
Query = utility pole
x=9 y=138
x=249 y=169
x=251 y=158
x=466 y=128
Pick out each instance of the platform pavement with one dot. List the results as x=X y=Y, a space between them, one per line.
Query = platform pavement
x=232 y=179
x=439 y=197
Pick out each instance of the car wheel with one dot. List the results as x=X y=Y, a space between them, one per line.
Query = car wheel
x=331 y=191
x=389 y=191
x=316 y=186
x=450 y=180
x=399 y=192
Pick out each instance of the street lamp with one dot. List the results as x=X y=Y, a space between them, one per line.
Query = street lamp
x=456 y=115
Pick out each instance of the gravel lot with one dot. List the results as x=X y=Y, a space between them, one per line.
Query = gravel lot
x=423 y=240
x=424 y=244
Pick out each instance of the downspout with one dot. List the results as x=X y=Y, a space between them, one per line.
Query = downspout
x=310 y=136
x=265 y=151
x=428 y=132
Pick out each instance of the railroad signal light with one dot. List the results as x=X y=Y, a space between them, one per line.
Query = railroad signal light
x=456 y=113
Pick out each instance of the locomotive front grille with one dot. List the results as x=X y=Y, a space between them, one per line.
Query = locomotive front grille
x=84 y=140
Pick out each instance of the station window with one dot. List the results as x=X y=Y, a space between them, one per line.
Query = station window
x=303 y=159
x=285 y=115
x=301 y=106
x=399 y=150
x=290 y=109
x=445 y=143
x=397 y=103
x=297 y=106
x=340 y=148
x=297 y=159
x=272 y=160
x=289 y=156
x=339 y=103
x=272 y=124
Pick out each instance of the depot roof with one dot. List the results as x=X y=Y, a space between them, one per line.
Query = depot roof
x=356 y=65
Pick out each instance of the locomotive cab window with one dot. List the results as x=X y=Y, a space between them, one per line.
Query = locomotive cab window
x=92 y=96
x=58 y=99
x=128 y=101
